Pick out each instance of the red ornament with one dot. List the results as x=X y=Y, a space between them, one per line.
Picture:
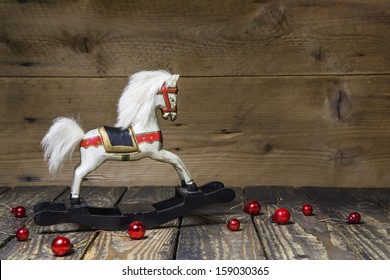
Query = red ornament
x=233 y=224
x=61 y=246
x=22 y=234
x=281 y=216
x=307 y=210
x=354 y=218
x=252 y=208
x=18 y=211
x=136 y=230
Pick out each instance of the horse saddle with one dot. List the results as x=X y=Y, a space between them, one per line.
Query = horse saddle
x=117 y=140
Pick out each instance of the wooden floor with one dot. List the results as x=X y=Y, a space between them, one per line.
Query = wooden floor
x=203 y=234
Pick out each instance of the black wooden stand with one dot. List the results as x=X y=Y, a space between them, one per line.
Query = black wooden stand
x=120 y=217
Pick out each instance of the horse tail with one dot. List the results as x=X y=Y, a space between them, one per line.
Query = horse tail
x=59 y=143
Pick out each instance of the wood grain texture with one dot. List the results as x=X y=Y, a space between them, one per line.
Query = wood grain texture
x=3 y=189
x=158 y=244
x=38 y=247
x=324 y=235
x=205 y=236
x=203 y=233
x=305 y=237
x=369 y=239
x=322 y=131
x=26 y=197
x=197 y=38
x=275 y=92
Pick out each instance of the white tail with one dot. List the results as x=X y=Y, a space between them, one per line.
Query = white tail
x=59 y=143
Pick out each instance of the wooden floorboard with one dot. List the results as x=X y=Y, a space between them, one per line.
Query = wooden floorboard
x=208 y=238
x=303 y=238
x=203 y=234
x=23 y=196
x=369 y=239
x=38 y=245
x=3 y=189
x=158 y=244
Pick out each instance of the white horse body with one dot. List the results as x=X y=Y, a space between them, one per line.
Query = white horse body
x=145 y=92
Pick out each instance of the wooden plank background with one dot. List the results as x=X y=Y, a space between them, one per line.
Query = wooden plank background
x=272 y=92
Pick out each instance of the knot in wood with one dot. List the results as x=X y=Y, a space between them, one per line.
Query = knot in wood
x=268 y=147
x=340 y=105
x=275 y=16
x=83 y=43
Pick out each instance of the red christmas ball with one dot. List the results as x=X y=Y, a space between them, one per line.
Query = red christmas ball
x=307 y=210
x=233 y=224
x=61 y=246
x=253 y=208
x=354 y=218
x=22 y=234
x=136 y=230
x=281 y=216
x=18 y=211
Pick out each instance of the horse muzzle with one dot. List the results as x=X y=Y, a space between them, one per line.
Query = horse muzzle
x=173 y=115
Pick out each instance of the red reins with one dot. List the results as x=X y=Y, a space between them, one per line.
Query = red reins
x=164 y=91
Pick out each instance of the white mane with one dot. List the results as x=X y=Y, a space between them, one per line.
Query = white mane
x=137 y=100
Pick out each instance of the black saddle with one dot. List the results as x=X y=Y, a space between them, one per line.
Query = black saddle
x=117 y=140
x=118 y=136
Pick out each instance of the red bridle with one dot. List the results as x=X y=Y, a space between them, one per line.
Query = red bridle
x=164 y=91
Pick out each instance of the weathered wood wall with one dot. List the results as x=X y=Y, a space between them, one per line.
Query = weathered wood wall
x=271 y=92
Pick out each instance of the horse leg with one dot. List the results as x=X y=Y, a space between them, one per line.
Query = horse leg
x=89 y=162
x=177 y=163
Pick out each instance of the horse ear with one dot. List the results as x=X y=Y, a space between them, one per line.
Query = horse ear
x=172 y=81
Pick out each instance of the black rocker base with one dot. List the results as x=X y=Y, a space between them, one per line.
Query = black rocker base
x=120 y=217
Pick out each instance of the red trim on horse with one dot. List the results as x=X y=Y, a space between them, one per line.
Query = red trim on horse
x=144 y=137
x=93 y=141
x=149 y=137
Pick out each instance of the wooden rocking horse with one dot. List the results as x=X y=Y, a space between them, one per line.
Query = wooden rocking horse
x=136 y=135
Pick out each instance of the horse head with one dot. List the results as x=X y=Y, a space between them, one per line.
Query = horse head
x=169 y=91
x=145 y=92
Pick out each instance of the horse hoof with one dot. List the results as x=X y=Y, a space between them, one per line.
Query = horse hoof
x=191 y=187
x=75 y=201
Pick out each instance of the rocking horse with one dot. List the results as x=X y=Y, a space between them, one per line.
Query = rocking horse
x=136 y=135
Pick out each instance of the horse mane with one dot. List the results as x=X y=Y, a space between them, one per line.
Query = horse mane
x=137 y=100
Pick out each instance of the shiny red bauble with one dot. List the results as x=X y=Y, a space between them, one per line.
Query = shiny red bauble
x=354 y=218
x=136 y=230
x=307 y=210
x=18 y=211
x=281 y=216
x=22 y=234
x=61 y=246
x=233 y=224
x=253 y=208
